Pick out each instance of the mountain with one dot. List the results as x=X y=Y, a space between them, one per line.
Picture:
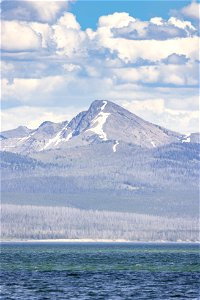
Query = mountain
x=105 y=158
x=26 y=141
x=2 y=137
x=103 y=122
x=18 y=132
x=106 y=168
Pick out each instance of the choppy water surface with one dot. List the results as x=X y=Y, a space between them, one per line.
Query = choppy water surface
x=100 y=271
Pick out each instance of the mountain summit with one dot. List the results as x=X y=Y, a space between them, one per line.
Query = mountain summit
x=104 y=121
x=105 y=158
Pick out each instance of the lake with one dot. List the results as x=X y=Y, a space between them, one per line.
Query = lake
x=99 y=271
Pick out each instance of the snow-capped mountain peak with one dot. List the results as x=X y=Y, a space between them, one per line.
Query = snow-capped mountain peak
x=104 y=121
x=98 y=123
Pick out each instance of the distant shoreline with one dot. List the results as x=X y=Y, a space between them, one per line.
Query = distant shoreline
x=95 y=241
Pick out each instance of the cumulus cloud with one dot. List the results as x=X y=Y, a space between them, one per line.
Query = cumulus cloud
x=18 y=36
x=153 y=50
x=31 y=90
x=156 y=28
x=31 y=10
x=116 y=20
x=149 y=66
x=67 y=35
x=32 y=117
x=6 y=68
x=153 y=40
x=64 y=37
x=178 y=120
x=192 y=10
x=69 y=22
x=162 y=106
x=131 y=39
x=45 y=32
x=175 y=74
x=71 y=67
x=175 y=59
x=47 y=10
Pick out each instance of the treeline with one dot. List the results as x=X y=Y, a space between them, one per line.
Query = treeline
x=175 y=166
x=34 y=222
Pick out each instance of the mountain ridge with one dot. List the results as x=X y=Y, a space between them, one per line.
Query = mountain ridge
x=104 y=121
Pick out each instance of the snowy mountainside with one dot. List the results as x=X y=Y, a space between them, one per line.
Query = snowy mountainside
x=34 y=140
x=104 y=121
x=105 y=158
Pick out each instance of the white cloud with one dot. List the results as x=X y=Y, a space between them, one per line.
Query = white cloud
x=156 y=29
x=156 y=111
x=164 y=106
x=68 y=37
x=6 y=68
x=68 y=20
x=153 y=50
x=32 y=117
x=116 y=20
x=18 y=36
x=32 y=10
x=181 y=23
x=156 y=106
x=149 y=40
x=27 y=90
x=65 y=37
x=48 y=10
x=157 y=21
x=45 y=32
x=147 y=74
x=56 y=64
x=175 y=59
x=71 y=67
x=192 y=10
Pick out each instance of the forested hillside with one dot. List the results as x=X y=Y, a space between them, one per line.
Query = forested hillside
x=31 y=222
x=161 y=181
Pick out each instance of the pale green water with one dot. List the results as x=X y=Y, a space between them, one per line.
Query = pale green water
x=100 y=271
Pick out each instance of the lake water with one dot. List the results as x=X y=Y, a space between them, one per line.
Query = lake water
x=99 y=271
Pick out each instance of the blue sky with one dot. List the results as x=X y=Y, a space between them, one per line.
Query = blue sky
x=88 y=12
x=59 y=56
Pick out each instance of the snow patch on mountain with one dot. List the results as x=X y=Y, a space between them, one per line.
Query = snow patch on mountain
x=186 y=139
x=53 y=141
x=25 y=138
x=98 y=123
x=115 y=146
x=104 y=105
x=58 y=138
x=105 y=120
x=68 y=137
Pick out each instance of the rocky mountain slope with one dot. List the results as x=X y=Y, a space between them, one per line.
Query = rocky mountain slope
x=103 y=122
x=105 y=158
